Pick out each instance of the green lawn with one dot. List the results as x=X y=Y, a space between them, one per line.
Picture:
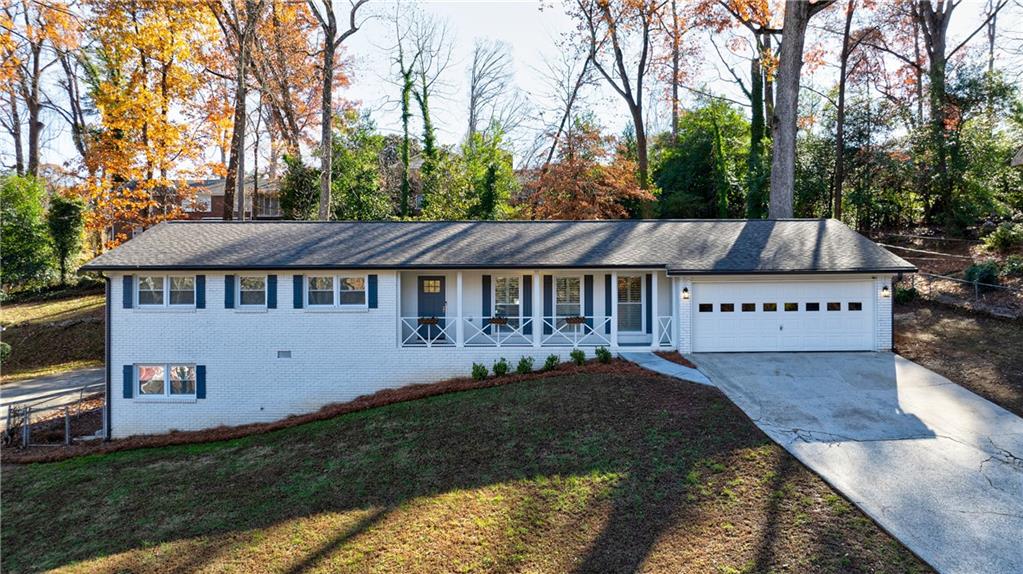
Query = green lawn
x=52 y=336
x=584 y=473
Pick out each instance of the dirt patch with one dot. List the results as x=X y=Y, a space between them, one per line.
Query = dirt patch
x=979 y=352
x=675 y=357
x=377 y=399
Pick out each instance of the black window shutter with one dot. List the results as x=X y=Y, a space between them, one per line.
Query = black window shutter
x=200 y=381
x=649 y=304
x=486 y=303
x=372 y=295
x=129 y=382
x=296 y=282
x=271 y=291
x=548 y=303
x=527 y=304
x=607 y=302
x=129 y=290
x=588 y=299
x=229 y=292
x=200 y=291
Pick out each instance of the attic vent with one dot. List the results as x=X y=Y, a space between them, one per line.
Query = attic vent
x=283 y=354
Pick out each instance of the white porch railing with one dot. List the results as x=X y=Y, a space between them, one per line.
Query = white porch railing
x=428 y=331
x=576 y=332
x=664 y=334
x=498 y=332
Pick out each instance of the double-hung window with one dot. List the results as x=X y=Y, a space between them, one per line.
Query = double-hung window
x=166 y=291
x=252 y=291
x=568 y=298
x=507 y=299
x=336 y=291
x=166 y=380
x=630 y=303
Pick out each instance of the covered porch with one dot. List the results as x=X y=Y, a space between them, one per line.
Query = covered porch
x=563 y=308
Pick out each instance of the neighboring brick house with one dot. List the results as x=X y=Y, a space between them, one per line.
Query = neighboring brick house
x=209 y=199
x=229 y=323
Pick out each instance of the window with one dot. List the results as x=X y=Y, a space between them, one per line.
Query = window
x=813 y=306
x=706 y=307
x=431 y=285
x=252 y=291
x=153 y=381
x=727 y=307
x=770 y=307
x=568 y=297
x=855 y=306
x=150 y=290
x=344 y=291
x=630 y=303
x=352 y=291
x=792 y=306
x=749 y=307
x=506 y=297
x=321 y=291
x=161 y=291
x=834 y=306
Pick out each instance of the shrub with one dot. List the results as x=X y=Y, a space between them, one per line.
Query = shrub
x=525 y=366
x=985 y=272
x=1007 y=236
x=501 y=367
x=905 y=294
x=578 y=356
x=552 y=362
x=1012 y=266
x=26 y=251
x=479 y=372
x=5 y=352
x=603 y=355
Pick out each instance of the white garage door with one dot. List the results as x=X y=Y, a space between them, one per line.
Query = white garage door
x=783 y=316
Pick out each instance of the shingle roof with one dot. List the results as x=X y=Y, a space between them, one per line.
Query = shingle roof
x=680 y=246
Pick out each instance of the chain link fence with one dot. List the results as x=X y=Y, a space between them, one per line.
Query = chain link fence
x=56 y=419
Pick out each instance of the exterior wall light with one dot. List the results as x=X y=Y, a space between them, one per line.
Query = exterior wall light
x=685 y=293
x=885 y=292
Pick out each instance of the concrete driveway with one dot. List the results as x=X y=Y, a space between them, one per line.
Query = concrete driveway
x=937 y=466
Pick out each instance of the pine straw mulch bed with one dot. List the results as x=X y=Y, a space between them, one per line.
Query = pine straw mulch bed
x=374 y=400
x=675 y=357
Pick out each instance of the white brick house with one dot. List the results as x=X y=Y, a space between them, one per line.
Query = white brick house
x=229 y=323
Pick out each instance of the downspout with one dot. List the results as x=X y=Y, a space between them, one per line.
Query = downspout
x=106 y=335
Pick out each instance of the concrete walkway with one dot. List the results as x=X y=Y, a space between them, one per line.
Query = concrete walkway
x=937 y=466
x=656 y=364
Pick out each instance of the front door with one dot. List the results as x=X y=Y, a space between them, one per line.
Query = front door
x=432 y=306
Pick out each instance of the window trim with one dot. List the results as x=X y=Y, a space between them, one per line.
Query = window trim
x=336 y=304
x=582 y=296
x=493 y=295
x=137 y=287
x=642 y=304
x=166 y=396
x=238 y=292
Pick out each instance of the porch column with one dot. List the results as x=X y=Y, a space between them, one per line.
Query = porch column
x=537 y=310
x=459 y=327
x=655 y=342
x=397 y=308
x=674 y=311
x=614 y=309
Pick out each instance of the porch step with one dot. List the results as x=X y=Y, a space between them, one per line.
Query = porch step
x=656 y=364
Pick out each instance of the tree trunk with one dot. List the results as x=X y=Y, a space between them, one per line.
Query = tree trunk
x=34 y=107
x=755 y=200
x=326 y=113
x=406 y=114
x=836 y=190
x=675 y=63
x=19 y=155
x=642 y=160
x=786 y=110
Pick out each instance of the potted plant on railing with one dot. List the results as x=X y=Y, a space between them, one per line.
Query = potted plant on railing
x=575 y=320
x=428 y=321
x=499 y=320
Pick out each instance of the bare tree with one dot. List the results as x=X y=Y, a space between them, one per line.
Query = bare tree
x=783 y=129
x=333 y=37
x=566 y=78
x=490 y=74
x=405 y=59
x=432 y=42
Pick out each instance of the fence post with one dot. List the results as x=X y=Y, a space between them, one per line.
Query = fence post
x=26 y=432
x=976 y=290
x=67 y=426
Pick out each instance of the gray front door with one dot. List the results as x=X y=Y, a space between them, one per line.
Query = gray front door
x=432 y=305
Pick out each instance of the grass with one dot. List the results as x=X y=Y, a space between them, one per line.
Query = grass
x=979 y=352
x=52 y=336
x=582 y=473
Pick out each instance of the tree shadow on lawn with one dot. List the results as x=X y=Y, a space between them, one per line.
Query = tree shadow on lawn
x=640 y=440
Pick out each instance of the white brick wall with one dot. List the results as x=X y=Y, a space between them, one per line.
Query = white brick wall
x=883 y=312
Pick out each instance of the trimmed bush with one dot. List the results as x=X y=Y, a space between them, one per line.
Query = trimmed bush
x=603 y=355
x=1007 y=236
x=578 y=356
x=501 y=367
x=552 y=362
x=986 y=272
x=525 y=366
x=905 y=294
x=5 y=352
x=479 y=371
